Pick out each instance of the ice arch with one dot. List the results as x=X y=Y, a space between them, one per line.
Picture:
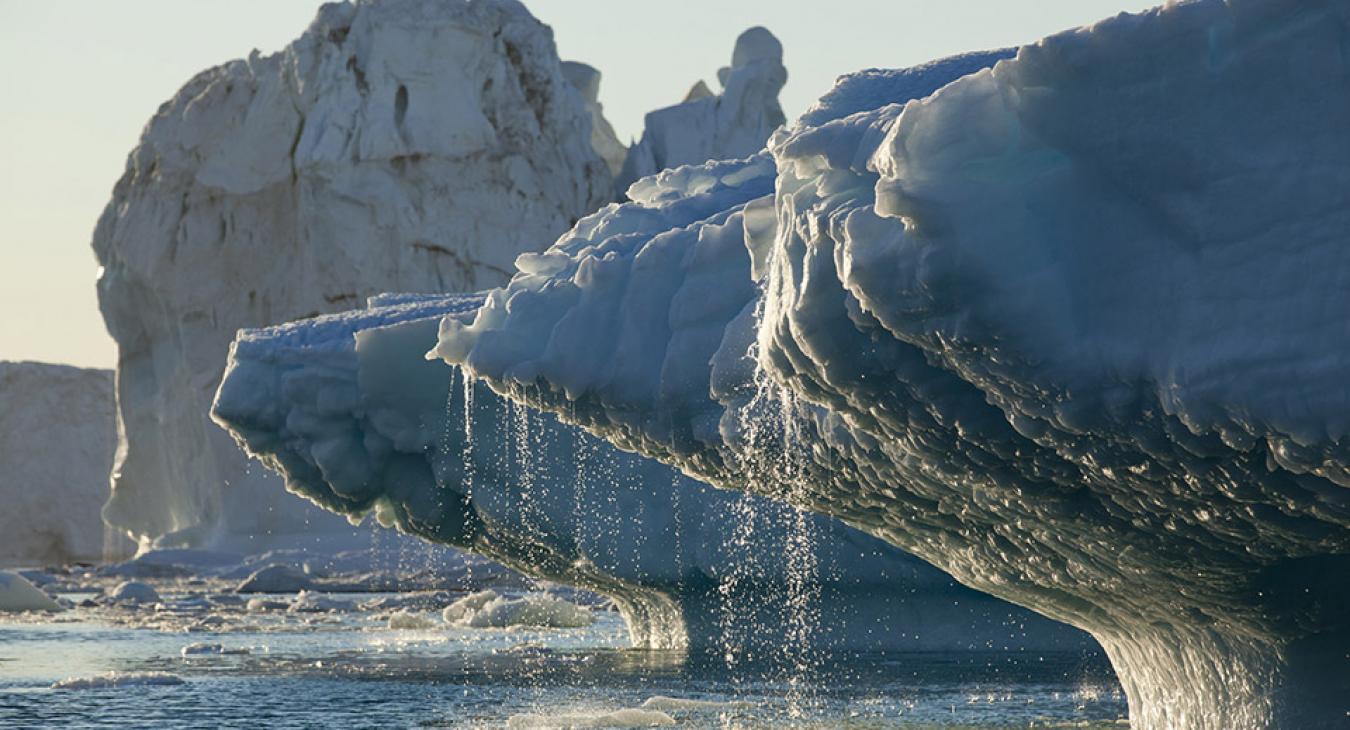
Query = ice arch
x=358 y=421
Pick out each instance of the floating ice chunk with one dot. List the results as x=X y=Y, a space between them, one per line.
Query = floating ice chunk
x=487 y=609
x=315 y=602
x=461 y=610
x=612 y=719
x=119 y=679
x=410 y=621
x=276 y=579
x=18 y=594
x=678 y=704
x=207 y=649
x=133 y=592
x=256 y=605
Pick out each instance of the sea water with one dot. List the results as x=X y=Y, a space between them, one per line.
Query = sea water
x=200 y=659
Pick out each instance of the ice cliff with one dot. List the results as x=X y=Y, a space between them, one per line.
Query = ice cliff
x=1071 y=329
x=708 y=126
x=402 y=144
x=57 y=435
x=349 y=410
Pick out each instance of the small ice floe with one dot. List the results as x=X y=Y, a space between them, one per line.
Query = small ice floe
x=118 y=679
x=276 y=578
x=525 y=649
x=409 y=601
x=615 y=719
x=314 y=602
x=17 y=593
x=256 y=605
x=207 y=649
x=409 y=621
x=133 y=592
x=680 y=704
x=488 y=609
x=185 y=606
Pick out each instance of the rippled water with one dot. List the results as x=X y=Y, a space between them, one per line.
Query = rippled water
x=346 y=669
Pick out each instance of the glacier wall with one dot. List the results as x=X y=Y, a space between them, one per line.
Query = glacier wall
x=57 y=435
x=401 y=144
x=349 y=410
x=1069 y=328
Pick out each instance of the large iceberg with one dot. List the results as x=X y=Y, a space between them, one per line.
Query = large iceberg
x=413 y=145
x=1071 y=329
x=57 y=435
x=349 y=410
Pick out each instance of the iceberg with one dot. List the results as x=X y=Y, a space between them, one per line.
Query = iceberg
x=1069 y=328
x=57 y=435
x=707 y=126
x=347 y=407
x=413 y=145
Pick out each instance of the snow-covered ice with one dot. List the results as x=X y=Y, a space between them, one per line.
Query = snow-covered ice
x=57 y=435
x=1070 y=328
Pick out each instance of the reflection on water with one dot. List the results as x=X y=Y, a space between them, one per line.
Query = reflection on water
x=337 y=669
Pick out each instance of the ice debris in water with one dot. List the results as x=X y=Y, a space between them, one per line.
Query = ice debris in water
x=111 y=680
x=208 y=649
x=610 y=719
x=488 y=609
x=410 y=621
x=17 y=593
x=133 y=592
x=277 y=579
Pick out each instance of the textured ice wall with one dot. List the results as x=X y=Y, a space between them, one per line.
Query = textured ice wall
x=708 y=126
x=400 y=144
x=1071 y=329
x=57 y=435
x=347 y=407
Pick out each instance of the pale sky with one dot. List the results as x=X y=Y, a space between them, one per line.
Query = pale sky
x=79 y=78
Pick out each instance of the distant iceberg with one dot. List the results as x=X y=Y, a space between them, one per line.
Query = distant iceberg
x=1072 y=328
x=414 y=145
x=58 y=432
